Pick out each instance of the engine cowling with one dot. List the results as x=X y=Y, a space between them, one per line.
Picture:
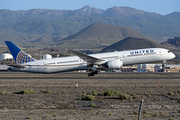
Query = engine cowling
x=115 y=64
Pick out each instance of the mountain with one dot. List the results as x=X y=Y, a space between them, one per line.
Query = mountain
x=58 y=38
x=174 y=15
x=48 y=13
x=89 y=10
x=68 y=22
x=43 y=39
x=131 y=43
x=172 y=42
x=128 y=13
x=47 y=39
x=101 y=31
x=17 y=37
x=99 y=34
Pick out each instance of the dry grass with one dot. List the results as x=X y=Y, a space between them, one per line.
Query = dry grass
x=67 y=101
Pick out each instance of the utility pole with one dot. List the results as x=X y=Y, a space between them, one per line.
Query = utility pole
x=139 y=113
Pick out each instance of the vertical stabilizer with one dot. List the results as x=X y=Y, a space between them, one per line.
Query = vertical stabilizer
x=19 y=55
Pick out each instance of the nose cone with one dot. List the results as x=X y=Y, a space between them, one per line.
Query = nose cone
x=173 y=55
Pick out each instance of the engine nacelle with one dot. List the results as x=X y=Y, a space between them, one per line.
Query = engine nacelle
x=115 y=64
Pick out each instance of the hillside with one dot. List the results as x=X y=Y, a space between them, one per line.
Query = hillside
x=43 y=39
x=174 y=15
x=17 y=37
x=99 y=34
x=172 y=42
x=100 y=31
x=68 y=22
x=130 y=43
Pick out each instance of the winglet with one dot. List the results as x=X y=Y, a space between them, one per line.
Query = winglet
x=19 y=55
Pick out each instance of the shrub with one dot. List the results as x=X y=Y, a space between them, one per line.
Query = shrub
x=109 y=114
x=2 y=92
x=174 y=115
x=124 y=96
x=135 y=112
x=116 y=93
x=178 y=91
x=171 y=93
x=149 y=95
x=109 y=93
x=90 y=97
x=135 y=118
x=165 y=114
x=94 y=93
x=84 y=94
x=146 y=116
x=122 y=117
x=92 y=105
x=48 y=116
x=47 y=91
x=171 y=119
x=178 y=111
x=134 y=96
x=79 y=98
x=54 y=114
x=145 y=111
x=28 y=117
x=27 y=91
x=155 y=114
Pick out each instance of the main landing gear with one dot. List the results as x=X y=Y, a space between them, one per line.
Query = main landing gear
x=163 y=66
x=92 y=73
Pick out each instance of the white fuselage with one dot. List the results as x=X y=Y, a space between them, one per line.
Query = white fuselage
x=73 y=63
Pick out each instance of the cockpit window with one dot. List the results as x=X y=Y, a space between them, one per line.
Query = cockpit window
x=169 y=51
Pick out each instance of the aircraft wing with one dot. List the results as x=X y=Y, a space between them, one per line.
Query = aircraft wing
x=89 y=59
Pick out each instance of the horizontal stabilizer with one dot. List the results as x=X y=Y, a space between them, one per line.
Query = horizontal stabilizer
x=19 y=66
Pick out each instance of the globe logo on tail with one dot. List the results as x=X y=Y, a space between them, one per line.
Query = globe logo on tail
x=23 y=57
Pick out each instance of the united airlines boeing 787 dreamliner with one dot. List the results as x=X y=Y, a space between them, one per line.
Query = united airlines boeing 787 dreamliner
x=91 y=62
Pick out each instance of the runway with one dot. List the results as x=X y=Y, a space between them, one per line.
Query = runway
x=76 y=75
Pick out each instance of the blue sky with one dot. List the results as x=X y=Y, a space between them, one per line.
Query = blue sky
x=158 y=6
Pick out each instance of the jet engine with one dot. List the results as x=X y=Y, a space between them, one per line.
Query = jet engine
x=114 y=64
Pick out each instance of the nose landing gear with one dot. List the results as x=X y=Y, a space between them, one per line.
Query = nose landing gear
x=92 y=73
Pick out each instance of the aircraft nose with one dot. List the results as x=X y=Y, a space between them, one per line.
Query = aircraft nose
x=173 y=55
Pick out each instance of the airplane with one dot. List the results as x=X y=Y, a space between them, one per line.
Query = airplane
x=91 y=62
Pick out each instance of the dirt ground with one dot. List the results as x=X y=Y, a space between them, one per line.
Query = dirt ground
x=55 y=96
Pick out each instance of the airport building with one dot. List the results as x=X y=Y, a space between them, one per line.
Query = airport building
x=47 y=56
x=157 y=68
x=172 y=68
x=146 y=68
x=129 y=68
x=5 y=56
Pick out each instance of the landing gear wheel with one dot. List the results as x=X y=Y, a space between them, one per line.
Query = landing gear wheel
x=95 y=72
x=163 y=66
x=92 y=73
